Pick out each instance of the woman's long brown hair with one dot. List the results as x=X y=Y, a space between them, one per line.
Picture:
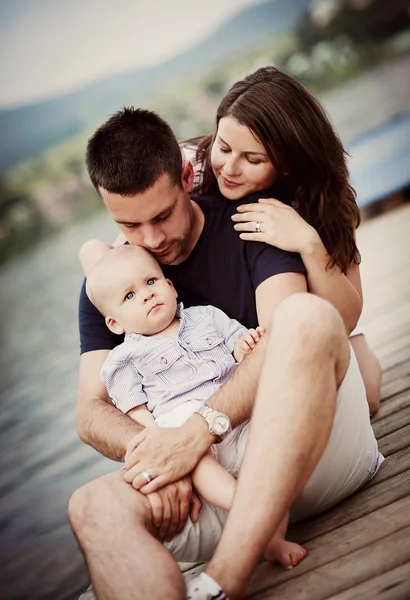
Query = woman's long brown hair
x=305 y=150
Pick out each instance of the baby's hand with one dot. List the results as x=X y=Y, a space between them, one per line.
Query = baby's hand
x=247 y=343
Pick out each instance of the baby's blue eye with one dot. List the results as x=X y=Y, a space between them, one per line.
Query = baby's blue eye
x=151 y=281
x=130 y=295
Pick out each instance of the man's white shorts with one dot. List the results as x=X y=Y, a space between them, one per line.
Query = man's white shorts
x=350 y=460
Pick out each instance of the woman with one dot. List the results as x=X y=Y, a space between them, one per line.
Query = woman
x=272 y=134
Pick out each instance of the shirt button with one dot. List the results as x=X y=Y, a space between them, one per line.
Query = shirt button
x=209 y=341
x=164 y=360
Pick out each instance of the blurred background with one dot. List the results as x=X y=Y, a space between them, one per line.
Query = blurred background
x=65 y=67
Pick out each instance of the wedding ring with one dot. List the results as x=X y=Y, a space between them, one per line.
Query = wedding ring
x=258 y=227
x=147 y=476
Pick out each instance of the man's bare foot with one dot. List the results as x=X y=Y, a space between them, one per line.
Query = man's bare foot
x=286 y=553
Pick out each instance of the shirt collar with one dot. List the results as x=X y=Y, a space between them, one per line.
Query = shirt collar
x=179 y=315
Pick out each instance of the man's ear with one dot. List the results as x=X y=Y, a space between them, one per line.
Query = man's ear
x=172 y=285
x=187 y=175
x=113 y=325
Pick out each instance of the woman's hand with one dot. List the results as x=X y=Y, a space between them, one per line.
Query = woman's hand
x=274 y=223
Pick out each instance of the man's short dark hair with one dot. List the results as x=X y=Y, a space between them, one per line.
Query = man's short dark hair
x=130 y=151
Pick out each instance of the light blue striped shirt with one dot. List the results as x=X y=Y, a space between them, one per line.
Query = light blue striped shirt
x=164 y=373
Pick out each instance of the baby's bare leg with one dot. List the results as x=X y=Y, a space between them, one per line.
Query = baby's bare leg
x=213 y=482
x=217 y=486
x=288 y=554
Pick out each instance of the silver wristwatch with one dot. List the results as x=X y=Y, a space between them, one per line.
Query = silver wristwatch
x=219 y=424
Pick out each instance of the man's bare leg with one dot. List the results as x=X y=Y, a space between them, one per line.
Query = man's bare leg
x=306 y=360
x=113 y=525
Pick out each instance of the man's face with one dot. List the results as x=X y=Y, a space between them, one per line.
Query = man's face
x=159 y=219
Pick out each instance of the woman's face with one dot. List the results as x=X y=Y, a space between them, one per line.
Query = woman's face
x=239 y=161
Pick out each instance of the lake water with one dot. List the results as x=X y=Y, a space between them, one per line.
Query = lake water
x=41 y=459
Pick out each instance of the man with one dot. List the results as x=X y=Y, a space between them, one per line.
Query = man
x=298 y=430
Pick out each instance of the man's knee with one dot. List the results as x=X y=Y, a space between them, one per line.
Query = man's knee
x=309 y=318
x=100 y=500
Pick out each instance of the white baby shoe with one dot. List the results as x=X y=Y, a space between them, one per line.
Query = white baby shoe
x=203 y=587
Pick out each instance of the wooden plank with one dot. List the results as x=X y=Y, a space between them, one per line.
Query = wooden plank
x=399 y=343
x=397 y=463
x=338 y=576
x=398 y=440
x=346 y=539
x=396 y=380
x=397 y=328
x=386 y=301
x=381 y=326
x=393 y=422
x=391 y=406
x=391 y=585
x=396 y=357
x=367 y=500
x=396 y=331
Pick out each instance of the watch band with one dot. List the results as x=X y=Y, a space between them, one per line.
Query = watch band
x=210 y=415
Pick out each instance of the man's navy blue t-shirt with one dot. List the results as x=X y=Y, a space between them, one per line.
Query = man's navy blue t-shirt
x=222 y=270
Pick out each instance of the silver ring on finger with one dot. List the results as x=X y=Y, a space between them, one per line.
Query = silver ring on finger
x=147 y=475
x=258 y=227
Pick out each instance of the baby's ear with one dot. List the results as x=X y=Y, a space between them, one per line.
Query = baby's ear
x=172 y=285
x=113 y=325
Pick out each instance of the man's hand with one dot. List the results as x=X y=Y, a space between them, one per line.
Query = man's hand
x=171 y=506
x=165 y=454
x=247 y=343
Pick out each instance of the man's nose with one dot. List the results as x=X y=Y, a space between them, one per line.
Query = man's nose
x=153 y=237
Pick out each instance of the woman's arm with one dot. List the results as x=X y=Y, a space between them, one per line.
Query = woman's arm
x=343 y=291
x=283 y=227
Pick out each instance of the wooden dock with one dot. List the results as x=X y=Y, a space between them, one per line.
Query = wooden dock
x=360 y=550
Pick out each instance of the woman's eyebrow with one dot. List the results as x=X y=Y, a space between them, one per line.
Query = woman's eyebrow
x=244 y=151
x=222 y=140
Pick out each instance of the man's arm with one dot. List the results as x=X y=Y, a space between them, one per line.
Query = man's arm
x=236 y=397
x=99 y=423
x=171 y=453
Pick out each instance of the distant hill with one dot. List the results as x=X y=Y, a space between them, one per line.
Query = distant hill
x=28 y=130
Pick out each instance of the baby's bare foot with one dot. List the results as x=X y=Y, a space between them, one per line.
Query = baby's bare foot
x=286 y=553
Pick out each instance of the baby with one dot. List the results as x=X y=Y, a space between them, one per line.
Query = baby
x=171 y=361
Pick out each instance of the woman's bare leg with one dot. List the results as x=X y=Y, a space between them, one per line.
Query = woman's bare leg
x=370 y=370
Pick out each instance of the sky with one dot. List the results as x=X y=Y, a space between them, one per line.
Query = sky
x=51 y=47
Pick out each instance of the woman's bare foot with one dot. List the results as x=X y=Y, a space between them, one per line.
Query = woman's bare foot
x=288 y=554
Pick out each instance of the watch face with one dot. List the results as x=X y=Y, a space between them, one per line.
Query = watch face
x=220 y=424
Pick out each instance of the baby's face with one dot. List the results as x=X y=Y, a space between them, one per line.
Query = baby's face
x=135 y=294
